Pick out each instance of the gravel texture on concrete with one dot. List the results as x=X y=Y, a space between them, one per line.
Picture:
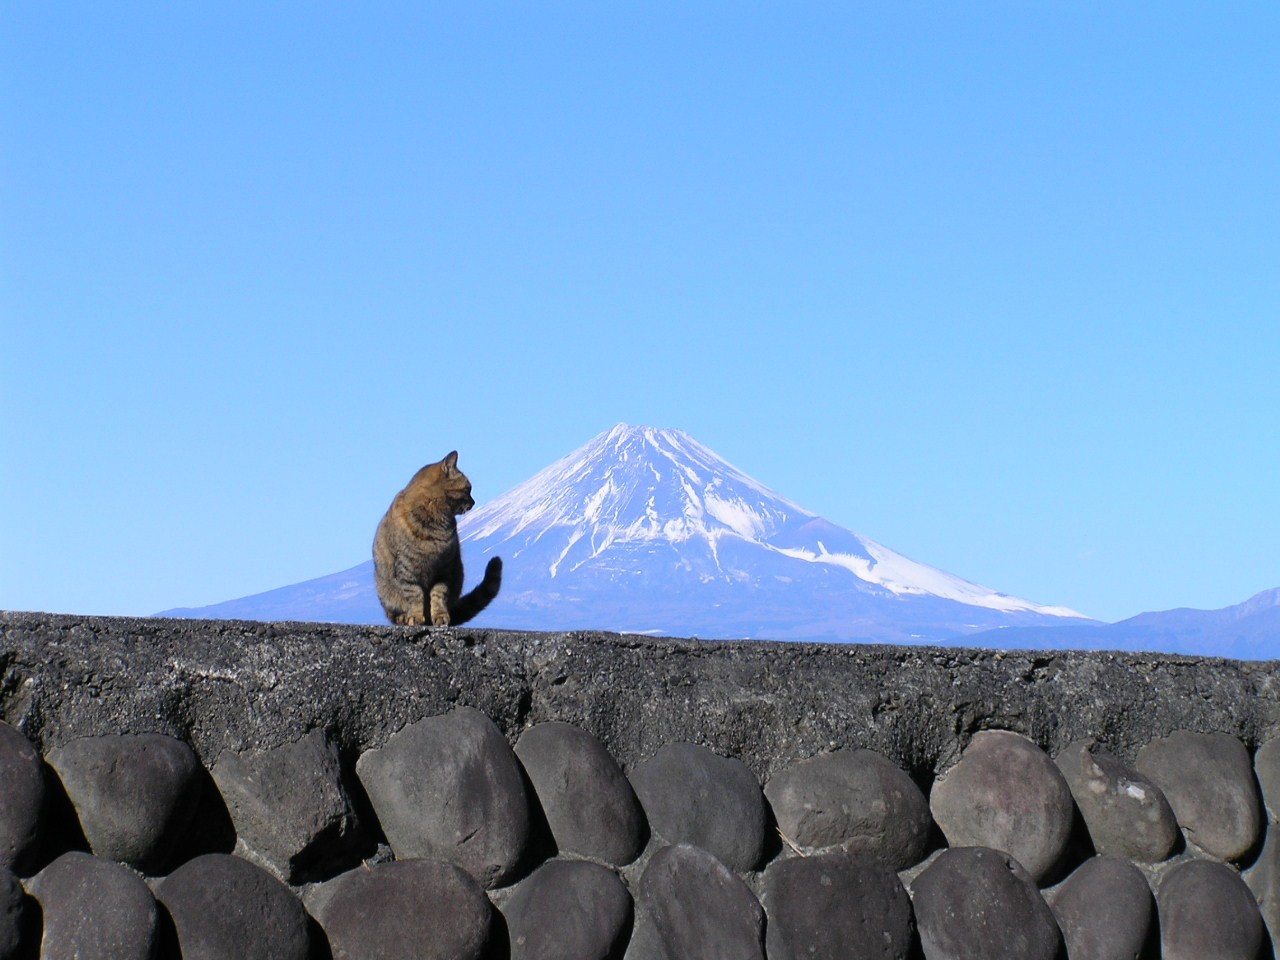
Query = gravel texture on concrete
x=231 y=685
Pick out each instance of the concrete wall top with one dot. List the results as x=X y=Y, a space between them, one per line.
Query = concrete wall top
x=231 y=685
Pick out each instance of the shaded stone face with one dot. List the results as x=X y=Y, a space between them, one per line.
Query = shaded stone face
x=699 y=907
x=95 y=908
x=836 y=906
x=568 y=908
x=1206 y=910
x=1105 y=910
x=1005 y=793
x=407 y=910
x=450 y=788
x=291 y=808
x=225 y=907
x=1126 y=813
x=134 y=795
x=1208 y=779
x=855 y=800
x=12 y=913
x=22 y=797
x=691 y=795
x=974 y=902
x=590 y=806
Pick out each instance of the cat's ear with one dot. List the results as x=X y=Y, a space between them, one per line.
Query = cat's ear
x=450 y=462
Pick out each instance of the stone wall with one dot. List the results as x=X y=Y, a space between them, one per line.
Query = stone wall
x=220 y=789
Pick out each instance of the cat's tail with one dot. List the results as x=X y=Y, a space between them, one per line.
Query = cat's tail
x=475 y=601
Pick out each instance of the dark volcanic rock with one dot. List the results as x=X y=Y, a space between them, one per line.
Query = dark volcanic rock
x=855 y=800
x=407 y=910
x=290 y=807
x=21 y=797
x=1126 y=813
x=693 y=796
x=836 y=906
x=973 y=903
x=1206 y=910
x=225 y=908
x=699 y=907
x=95 y=908
x=568 y=908
x=450 y=788
x=1005 y=793
x=12 y=910
x=1105 y=910
x=587 y=800
x=134 y=794
x=1208 y=779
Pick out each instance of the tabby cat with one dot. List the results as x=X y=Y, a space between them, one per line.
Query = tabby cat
x=417 y=562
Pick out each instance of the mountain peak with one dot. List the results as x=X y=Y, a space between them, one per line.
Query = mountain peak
x=645 y=530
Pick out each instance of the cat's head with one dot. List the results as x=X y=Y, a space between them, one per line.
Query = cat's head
x=444 y=481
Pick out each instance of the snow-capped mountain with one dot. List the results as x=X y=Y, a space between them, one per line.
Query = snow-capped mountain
x=647 y=530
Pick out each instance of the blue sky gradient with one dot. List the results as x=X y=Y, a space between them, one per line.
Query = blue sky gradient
x=994 y=285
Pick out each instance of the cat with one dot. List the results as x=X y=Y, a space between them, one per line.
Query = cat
x=417 y=561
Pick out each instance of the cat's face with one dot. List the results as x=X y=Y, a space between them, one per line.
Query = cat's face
x=452 y=485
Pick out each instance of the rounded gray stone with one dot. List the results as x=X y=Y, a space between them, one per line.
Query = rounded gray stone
x=12 y=914
x=836 y=906
x=692 y=796
x=1005 y=793
x=589 y=804
x=1266 y=766
x=225 y=908
x=95 y=909
x=405 y=910
x=1208 y=779
x=1263 y=878
x=568 y=908
x=1105 y=910
x=699 y=907
x=1126 y=813
x=974 y=903
x=22 y=796
x=1207 y=911
x=133 y=794
x=855 y=800
x=450 y=788
x=290 y=807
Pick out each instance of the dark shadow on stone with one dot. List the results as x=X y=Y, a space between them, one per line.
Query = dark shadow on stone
x=1079 y=848
x=209 y=830
x=1151 y=947
x=167 y=947
x=624 y=936
x=62 y=832
x=772 y=847
x=321 y=949
x=541 y=845
x=30 y=929
x=498 y=946
x=370 y=825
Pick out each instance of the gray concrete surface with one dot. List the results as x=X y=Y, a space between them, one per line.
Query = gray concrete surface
x=233 y=685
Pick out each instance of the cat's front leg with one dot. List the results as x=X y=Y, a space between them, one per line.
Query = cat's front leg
x=440 y=605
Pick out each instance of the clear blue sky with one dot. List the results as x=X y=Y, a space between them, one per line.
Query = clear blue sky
x=996 y=284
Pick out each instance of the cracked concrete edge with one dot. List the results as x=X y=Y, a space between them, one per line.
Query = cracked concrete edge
x=230 y=685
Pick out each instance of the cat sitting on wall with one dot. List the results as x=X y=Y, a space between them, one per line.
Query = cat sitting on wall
x=417 y=561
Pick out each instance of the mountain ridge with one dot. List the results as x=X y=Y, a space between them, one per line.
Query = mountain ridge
x=646 y=530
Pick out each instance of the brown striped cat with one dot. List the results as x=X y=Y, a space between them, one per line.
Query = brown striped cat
x=417 y=561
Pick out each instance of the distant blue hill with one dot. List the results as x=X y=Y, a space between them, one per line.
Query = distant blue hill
x=1245 y=631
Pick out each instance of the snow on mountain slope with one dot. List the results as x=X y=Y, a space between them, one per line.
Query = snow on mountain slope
x=647 y=530
x=637 y=485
